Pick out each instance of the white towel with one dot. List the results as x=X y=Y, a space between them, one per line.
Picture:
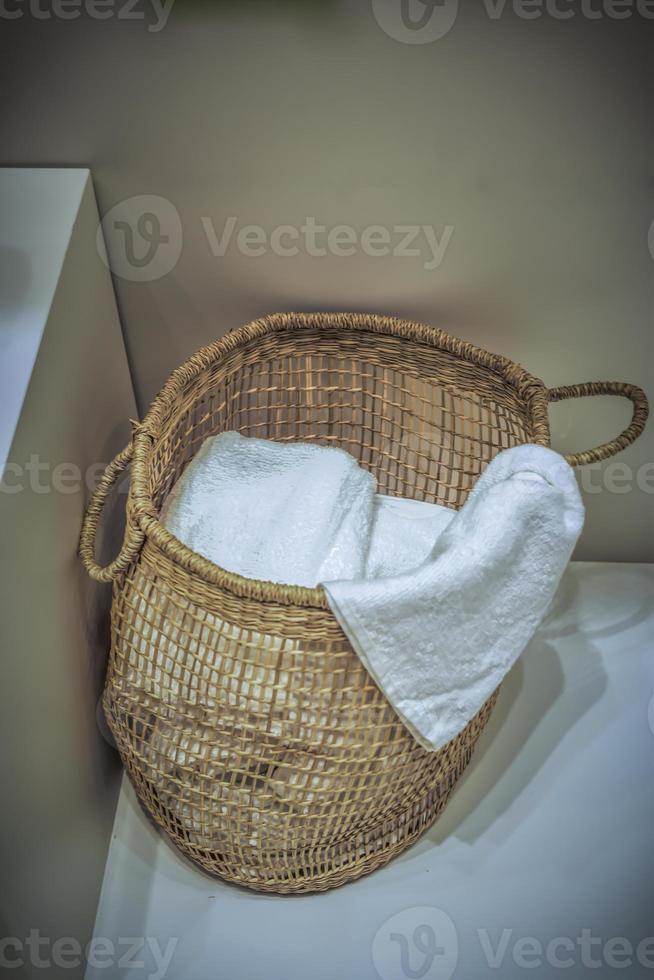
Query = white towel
x=439 y=639
x=403 y=534
x=295 y=513
x=437 y=604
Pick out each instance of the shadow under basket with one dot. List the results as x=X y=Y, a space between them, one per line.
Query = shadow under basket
x=249 y=728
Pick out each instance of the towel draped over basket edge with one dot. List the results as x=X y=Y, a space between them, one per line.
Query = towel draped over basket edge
x=426 y=412
x=439 y=634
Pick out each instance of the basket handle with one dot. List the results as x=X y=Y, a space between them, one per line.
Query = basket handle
x=134 y=536
x=633 y=430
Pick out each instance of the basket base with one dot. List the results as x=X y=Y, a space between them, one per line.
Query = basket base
x=262 y=862
x=323 y=872
x=322 y=867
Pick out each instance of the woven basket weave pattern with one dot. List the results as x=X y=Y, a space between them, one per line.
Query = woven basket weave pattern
x=249 y=728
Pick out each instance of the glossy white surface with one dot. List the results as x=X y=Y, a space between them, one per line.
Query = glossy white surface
x=38 y=209
x=548 y=834
x=65 y=400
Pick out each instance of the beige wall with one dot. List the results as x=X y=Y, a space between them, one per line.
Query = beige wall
x=529 y=137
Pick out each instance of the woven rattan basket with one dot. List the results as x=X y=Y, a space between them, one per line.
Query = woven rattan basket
x=248 y=726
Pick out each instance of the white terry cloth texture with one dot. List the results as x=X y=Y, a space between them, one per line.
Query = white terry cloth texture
x=438 y=604
x=293 y=513
x=403 y=534
x=296 y=513
x=438 y=639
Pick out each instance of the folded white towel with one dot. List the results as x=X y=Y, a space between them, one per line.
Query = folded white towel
x=296 y=513
x=438 y=639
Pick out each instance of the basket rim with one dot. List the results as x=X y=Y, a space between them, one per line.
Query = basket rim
x=141 y=508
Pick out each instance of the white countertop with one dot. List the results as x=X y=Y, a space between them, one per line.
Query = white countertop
x=549 y=835
x=38 y=209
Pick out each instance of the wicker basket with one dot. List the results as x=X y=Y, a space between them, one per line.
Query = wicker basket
x=249 y=728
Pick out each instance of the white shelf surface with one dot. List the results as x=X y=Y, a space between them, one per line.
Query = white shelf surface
x=549 y=833
x=38 y=210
